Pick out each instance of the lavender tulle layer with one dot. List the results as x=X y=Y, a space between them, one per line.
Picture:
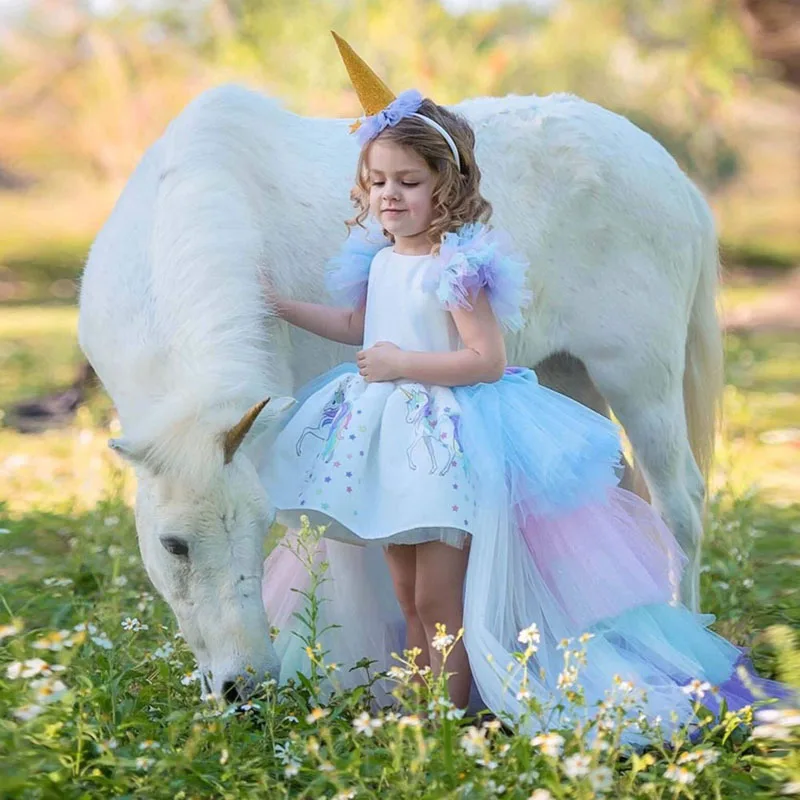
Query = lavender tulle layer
x=554 y=542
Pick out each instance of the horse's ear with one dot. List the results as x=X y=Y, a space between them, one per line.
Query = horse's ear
x=126 y=449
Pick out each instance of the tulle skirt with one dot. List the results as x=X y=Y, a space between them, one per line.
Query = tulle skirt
x=555 y=543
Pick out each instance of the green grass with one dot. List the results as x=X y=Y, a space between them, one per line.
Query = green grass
x=69 y=556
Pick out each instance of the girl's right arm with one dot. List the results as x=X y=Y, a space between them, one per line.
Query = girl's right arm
x=338 y=324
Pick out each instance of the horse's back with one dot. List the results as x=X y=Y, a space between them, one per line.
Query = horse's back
x=611 y=225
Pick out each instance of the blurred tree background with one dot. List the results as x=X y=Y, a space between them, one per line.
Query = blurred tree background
x=85 y=87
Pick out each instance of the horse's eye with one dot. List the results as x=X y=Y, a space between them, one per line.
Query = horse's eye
x=175 y=546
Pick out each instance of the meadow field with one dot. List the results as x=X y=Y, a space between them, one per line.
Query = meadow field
x=98 y=697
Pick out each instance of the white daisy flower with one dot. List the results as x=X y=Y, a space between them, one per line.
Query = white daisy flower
x=26 y=713
x=473 y=742
x=149 y=744
x=441 y=641
x=788 y=717
x=600 y=779
x=11 y=629
x=86 y=626
x=576 y=766
x=31 y=668
x=398 y=673
x=48 y=690
x=55 y=641
x=776 y=732
x=551 y=744
x=363 y=723
x=697 y=688
x=529 y=635
x=133 y=624
x=191 y=677
x=679 y=775
x=567 y=677
x=163 y=652
x=316 y=715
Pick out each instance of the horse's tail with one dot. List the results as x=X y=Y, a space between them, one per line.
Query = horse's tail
x=703 y=377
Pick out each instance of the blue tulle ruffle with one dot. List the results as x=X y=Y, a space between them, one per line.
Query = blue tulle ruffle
x=347 y=273
x=543 y=445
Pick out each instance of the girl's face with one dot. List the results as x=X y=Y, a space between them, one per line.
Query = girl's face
x=401 y=192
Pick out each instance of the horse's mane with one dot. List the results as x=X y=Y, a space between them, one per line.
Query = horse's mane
x=181 y=256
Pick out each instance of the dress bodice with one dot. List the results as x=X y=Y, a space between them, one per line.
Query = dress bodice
x=401 y=311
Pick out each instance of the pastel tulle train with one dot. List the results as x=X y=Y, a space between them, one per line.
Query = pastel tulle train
x=560 y=546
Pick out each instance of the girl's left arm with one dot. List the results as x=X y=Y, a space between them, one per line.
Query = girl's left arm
x=481 y=360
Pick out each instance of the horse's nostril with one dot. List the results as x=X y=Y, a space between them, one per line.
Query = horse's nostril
x=230 y=692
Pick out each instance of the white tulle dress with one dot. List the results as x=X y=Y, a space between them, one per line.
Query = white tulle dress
x=526 y=475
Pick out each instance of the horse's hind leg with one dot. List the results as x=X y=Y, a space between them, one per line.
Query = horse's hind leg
x=568 y=375
x=655 y=423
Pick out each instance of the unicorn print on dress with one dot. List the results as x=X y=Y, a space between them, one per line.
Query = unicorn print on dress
x=440 y=433
x=335 y=418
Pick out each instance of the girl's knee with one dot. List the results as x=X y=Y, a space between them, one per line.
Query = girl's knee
x=432 y=606
x=404 y=591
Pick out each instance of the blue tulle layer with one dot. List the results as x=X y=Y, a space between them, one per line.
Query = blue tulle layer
x=539 y=446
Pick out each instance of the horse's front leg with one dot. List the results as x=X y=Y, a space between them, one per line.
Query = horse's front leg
x=409 y=456
x=431 y=453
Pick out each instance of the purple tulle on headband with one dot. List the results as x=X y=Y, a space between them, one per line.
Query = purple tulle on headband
x=402 y=106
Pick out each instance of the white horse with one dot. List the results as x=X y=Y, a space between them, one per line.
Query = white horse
x=624 y=269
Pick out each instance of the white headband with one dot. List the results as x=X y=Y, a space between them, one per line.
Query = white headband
x=447 y=137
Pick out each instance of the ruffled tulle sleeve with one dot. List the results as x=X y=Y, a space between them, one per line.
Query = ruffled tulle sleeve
x=347 y=273
x=478 y=257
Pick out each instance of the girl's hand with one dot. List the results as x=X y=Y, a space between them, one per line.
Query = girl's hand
x=381 y=362
x=270 y=294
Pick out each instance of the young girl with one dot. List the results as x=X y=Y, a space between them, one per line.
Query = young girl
x=493 y=500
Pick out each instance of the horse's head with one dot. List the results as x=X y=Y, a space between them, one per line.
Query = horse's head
x=417 y=402
x=201 y=535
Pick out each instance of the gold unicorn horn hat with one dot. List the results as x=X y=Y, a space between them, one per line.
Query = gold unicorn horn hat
x=380 y=105
x=373 y=93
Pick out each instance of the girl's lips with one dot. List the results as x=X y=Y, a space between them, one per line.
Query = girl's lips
x=393 y=210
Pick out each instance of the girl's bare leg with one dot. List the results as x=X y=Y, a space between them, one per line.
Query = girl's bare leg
x=402 y=561
x=439 y=593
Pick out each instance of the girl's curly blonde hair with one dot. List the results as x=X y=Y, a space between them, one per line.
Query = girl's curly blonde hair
x=456 y=196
